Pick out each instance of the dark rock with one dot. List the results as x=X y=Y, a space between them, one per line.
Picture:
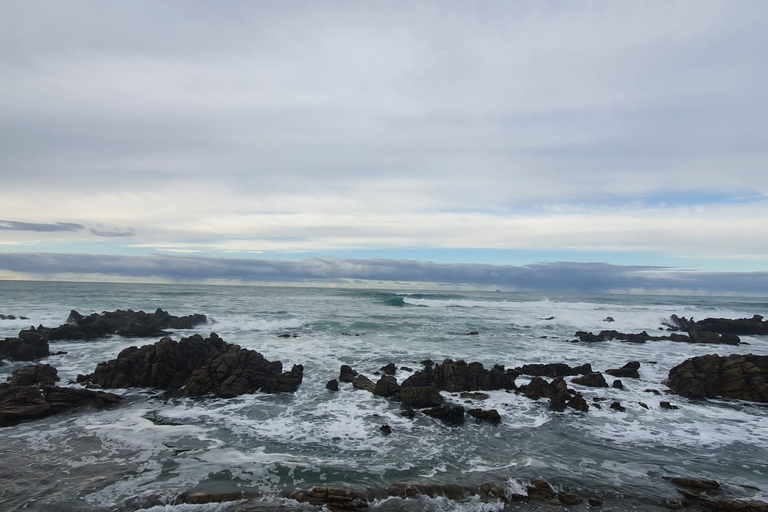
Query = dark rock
x=7 y=317
x=387 y=387
x=364 y=383
x=743 y=377
x=36 y=374
x=389 y=369
x=406 y=369
x=124 y=323
x=420 y=397
x=558 y=394
x=693 y=483
x=629 y=370
x=674 y=504
x=569 y=499
x=288 y=335
x=740 y=326
x=166 y=364
x=617 y=384
x=700 y=336
x=608 y=319
x=536 y=389
x=386 y=429
x=540 y=490
x=595 y=501
x=616 y=406
x=592 y=380
x=578 y=403
x=453 y=414
x=27 y=347
x=553 y=370
x=643 y=405
x=334 y=498
x=333 y=385
x=473 y=333
x=457 y=376
x=409 y=413
x=239 y=371
x=347 y=374
x=668 y=406
x=491 y=415
x=20 y=403
x=474 y=396
x=642 y=337
x=427 y=362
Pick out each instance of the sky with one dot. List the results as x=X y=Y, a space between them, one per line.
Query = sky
x=612 y=145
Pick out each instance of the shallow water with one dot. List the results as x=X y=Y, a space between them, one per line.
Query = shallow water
x=270 y=444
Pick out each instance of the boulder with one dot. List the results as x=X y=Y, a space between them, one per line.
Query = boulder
x=491 y=415
x=457 y=376
x=347 y=374
x=557 y=391
x=333 y=385
x=36 y=374
x=29 y=346
x=364 y=383
x=239 y=371
x=743 y=377
x=166 y=364
x=387 y=387
x=389 y=369
x=592 y=380
x=628 y=370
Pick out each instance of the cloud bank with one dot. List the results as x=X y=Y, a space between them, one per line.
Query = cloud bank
x=547 y=277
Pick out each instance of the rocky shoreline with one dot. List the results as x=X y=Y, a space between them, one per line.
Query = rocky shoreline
x=198 y=366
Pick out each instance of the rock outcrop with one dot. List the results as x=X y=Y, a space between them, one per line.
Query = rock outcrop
x=124 y=323
x=744 y=326
x=34 y=375
x=199 y=366
x=29 y=346
x=628 y=370
x=558 y=393
x=457 y=376
x=743 y=377
x=20 y=403
x=239 y=371
x=166 y=364
x=553 y=370
x=592 y=380
x=421 y=397
x=642 y=337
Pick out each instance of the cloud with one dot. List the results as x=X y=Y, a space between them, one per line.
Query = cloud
x=113 y=233
x=32 y=226
x=543 y=277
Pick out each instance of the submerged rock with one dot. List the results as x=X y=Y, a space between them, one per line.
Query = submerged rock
x=743 y=377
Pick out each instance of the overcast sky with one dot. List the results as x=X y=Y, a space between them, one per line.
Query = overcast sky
x=629 y=133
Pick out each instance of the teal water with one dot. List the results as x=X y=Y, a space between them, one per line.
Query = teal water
x=118 y=459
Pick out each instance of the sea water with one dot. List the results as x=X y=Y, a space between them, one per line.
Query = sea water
x=156 y=445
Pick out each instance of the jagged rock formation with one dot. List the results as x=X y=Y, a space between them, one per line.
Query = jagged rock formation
x=592 y=380
x=628 y=370
x=642 y=337
x=238 y=371
x=457 y=376
x=198 y=365
x=744 y=326
x=558 y=393
x=124 y=323
x=743 y=377
x=553 y=370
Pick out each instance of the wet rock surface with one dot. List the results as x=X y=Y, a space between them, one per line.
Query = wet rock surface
x=29 y=346
x=34 y=375
x=553 y=370
x=743 y=377
x=457 y=376
x=199 y=365
x=124 y=323
x=21 y=403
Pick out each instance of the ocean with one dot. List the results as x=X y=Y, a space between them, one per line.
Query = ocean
x=157 y=446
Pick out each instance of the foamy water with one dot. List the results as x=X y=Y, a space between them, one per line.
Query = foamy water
x=270 y=444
